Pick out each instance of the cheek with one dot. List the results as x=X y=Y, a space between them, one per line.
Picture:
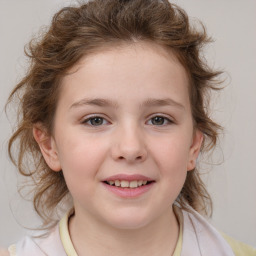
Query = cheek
x=171 y=158
x=172 y=152
x=81 y=161
x=81 y=157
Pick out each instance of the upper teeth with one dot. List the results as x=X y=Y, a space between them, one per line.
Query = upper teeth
x=127 y=184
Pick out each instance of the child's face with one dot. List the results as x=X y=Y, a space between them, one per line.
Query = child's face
x=124 y=116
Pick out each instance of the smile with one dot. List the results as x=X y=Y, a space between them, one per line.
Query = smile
x=128 y=184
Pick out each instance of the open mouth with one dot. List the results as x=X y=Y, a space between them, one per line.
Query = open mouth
x=128 y=184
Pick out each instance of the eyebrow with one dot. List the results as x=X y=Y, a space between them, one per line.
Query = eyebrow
x=95 y=102
x=150 y=102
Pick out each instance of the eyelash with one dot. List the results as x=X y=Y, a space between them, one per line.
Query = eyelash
x=90 y=119
x=87 y=120
x=166 y=120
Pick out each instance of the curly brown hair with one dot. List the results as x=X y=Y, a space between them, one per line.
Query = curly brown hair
x=81 y=30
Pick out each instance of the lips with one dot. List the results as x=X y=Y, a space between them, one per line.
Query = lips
x=128 y=177
x=128 y=185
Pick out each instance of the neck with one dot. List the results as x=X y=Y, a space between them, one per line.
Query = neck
x=92 y=237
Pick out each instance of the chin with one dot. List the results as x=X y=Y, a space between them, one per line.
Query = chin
x=129 y=221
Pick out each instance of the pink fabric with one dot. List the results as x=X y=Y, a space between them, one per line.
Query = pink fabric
x=200 y=238
x=50 y=245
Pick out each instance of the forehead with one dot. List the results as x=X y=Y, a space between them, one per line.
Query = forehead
x=144 y=49
x=141 y=66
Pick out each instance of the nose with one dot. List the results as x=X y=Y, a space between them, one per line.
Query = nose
x=129 y=145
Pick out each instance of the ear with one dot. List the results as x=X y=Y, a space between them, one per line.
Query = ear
x=47 y=146
x=195 y=149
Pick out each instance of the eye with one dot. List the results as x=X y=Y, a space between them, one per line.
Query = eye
x=160 y=120
x=95 y=121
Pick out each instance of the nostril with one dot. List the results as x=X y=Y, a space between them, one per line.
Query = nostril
x=136 y=158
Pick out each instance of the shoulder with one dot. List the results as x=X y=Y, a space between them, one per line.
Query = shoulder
x=239 y=248
x=201 y=235
x=48 y=244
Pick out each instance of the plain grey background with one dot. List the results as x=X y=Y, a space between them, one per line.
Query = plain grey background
x=232 y=183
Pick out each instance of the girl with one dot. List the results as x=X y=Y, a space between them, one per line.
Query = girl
x=114 y=116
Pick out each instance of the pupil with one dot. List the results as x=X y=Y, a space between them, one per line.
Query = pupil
x=96 y=121
x=158 y=120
